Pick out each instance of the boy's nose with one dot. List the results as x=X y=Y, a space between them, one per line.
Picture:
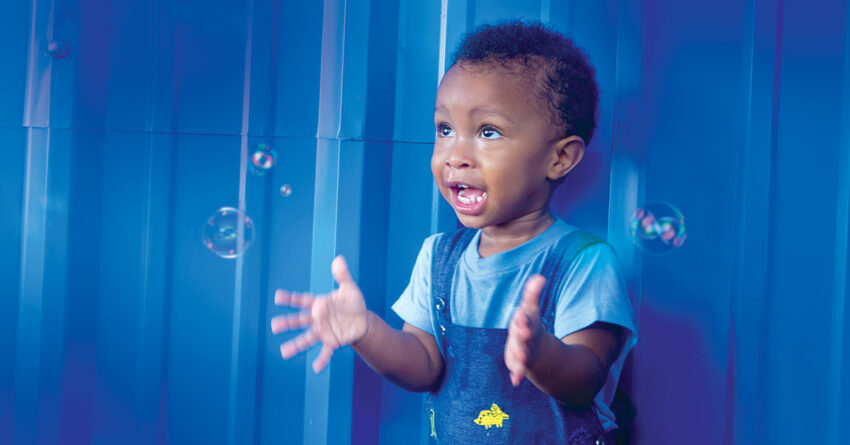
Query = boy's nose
x=459 y=157
x=455 y=162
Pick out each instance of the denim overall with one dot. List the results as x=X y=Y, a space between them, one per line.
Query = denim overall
x=476 y=402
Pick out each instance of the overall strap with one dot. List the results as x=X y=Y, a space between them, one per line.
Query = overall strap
x=447 y=251
x=556 y=268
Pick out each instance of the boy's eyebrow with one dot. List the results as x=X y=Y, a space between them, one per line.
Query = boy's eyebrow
x=481 y=110
x=478 y=110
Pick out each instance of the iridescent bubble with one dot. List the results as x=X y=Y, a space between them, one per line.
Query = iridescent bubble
x=658 y=228
x=285 y=190
x=263 y=158
x=58 y=49
x=221 y=232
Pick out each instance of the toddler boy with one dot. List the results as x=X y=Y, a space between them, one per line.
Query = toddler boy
x=517 y=326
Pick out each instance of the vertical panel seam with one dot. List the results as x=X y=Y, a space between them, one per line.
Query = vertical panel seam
x=841 y=246
x=743 y=179
x=441 y=68
x=341 y=71
x=145 y=277
x=545 y=8
x=771 y=232
x=236 y=322
x=25 y=291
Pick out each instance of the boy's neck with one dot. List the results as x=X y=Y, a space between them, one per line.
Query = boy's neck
x=497 y=239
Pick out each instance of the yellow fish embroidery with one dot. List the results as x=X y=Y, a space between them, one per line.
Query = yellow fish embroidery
x=491 y=417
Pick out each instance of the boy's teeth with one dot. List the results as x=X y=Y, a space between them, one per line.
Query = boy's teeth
x=461 y=196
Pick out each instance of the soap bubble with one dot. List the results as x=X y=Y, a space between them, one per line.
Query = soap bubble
x=658 y=228
x=221 y=232
x=263 y=158
x=285 y=190
x=58 y=49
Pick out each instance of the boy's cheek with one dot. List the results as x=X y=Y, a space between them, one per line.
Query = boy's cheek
x=437 y=172
x=445 y=192
x=438 y=158
x=435 y=168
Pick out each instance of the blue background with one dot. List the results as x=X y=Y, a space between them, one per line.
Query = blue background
x=117 y=325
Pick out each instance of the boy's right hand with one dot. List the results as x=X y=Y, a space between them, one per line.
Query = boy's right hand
x=336 y=319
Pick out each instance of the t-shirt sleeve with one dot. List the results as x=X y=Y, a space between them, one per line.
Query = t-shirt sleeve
x=595 y=291
x=413 y=306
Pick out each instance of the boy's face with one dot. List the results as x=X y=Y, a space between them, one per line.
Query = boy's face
x=495 y=147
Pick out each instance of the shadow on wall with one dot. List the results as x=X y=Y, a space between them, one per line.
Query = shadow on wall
x=665 y=399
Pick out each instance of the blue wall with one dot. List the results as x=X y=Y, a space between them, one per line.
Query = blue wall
x=120 y=327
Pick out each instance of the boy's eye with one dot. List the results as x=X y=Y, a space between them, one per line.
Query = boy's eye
x=445 y=131
x=490 y=133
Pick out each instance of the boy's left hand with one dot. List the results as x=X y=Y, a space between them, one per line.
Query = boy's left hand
x=525 y=331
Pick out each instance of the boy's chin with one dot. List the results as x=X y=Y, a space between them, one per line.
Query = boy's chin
x=470 y=221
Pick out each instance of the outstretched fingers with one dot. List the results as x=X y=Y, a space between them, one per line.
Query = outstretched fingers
x=313 y=316
x=288 y=322
x=298 y=344
x=517 y=351
x=523 y=328
x=517 y=377
x=323 y=358
x=283 y=297
x=531 y=294
x=516 y=359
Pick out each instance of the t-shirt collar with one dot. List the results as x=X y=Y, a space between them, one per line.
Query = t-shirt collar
x=518 y=256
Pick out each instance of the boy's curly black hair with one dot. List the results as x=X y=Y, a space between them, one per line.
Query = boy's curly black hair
x=569 y=83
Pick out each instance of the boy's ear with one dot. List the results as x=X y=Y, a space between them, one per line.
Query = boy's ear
x=567 y=153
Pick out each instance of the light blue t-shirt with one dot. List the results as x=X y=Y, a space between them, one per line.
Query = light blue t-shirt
x=486 y=291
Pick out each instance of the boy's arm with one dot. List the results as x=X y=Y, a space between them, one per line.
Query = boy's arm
x=409 y=358
x=572 y=369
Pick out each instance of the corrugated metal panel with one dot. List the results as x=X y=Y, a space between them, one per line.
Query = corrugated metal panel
x=125 y=125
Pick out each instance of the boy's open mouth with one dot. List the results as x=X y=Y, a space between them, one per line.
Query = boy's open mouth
x=468 y=200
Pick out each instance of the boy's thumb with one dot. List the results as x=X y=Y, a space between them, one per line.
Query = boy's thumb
x=531 y=293
x=339 y=269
